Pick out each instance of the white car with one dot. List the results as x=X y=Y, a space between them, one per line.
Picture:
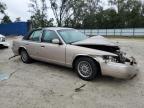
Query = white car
x=3 y=42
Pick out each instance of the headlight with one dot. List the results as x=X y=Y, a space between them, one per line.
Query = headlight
x=2 y=39
x=108 y=58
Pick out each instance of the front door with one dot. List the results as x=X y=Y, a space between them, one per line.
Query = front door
x=52 y=52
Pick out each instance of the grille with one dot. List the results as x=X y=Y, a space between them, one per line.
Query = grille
x=2 y=39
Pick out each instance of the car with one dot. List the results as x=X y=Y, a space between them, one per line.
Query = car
x=90 y=57
x=3 y=43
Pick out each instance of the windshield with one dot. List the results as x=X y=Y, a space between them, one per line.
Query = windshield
x=71 y=35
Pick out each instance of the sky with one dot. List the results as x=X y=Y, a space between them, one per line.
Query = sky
x=19 y=8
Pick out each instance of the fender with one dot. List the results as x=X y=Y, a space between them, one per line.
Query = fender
x=21 y=48
x=83 y=55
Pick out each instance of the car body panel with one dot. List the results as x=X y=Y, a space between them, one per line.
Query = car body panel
x=3 y=43
x=95 y=40
x=65 y=54
x=52 y=52
x=73 y=51
x=118 y=70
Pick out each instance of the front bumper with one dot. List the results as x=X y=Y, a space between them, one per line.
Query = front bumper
x=119 y=70
x=4 y=44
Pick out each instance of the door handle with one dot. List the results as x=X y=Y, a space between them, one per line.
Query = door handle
x=26 y=44
x=42 y=46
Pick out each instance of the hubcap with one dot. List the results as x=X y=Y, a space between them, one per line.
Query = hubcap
x=84 y=69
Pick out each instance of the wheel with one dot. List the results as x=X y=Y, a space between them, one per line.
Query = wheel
x=86 y=68
x=25 y=57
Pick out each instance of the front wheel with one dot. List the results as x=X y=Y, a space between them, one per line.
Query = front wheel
x=86 y=68
x=25 y=57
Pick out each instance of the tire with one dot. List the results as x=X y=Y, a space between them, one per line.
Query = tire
x=86 y=68
x=25 y=57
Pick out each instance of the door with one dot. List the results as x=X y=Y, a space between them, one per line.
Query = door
x=33 y=44
x=52 y=52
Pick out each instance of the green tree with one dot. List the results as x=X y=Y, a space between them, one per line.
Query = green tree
x=129 y=12
x=39 y=14
x=78 y=8
x=84 y=12
x=2 y=7
x=61 y=10
x=6 y=19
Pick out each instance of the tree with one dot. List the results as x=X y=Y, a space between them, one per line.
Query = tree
x=90 y=13
x=83 y=13
x=2 y=7
x=93 y=7
x=129 y=12
x=6 y=19
x=39 y=15
x=61 y=10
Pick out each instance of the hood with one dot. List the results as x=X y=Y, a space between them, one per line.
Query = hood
x=1 y=36
x=99 y=43
x=88 y=51
x=95 y=40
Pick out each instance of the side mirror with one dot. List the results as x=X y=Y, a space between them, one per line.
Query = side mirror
x=55 y=41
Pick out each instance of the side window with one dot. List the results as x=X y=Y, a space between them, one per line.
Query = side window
x=48 y=36
x=35 y=35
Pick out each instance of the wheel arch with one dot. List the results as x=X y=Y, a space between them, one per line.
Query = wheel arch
x=20 y=48
x=79 y=56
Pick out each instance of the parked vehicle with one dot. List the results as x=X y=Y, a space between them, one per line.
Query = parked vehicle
x=88 y=56
x=3 y=42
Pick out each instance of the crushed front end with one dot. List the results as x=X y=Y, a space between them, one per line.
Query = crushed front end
x=118 y=66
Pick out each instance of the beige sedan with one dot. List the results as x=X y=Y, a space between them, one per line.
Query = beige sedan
x=88 y=56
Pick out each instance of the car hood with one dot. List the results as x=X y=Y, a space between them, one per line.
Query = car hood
x=95 y=40
x=99 y=43
x=1 y=36
x=87 y=51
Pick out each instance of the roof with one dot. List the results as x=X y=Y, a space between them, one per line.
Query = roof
x=56 y=28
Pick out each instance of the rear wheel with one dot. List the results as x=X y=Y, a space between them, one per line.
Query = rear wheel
x=86 y=68
x=25 y=57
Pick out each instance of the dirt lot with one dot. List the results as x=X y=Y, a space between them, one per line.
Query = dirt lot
x=42 y=85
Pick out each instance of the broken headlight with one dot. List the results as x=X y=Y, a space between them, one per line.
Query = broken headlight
x=108 y=58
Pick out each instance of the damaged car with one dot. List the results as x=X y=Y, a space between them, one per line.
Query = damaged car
x=88 y=56
x=3 y=43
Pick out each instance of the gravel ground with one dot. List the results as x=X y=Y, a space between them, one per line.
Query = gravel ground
x=42 y=85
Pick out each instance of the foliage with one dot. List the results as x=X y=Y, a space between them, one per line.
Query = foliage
x=6 y=19
x=86 y=13
x=39 y=15
x=62 y=10
x=2 y=7
x=119 y=14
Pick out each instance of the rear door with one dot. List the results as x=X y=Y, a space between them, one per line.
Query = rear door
x=33 y=44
